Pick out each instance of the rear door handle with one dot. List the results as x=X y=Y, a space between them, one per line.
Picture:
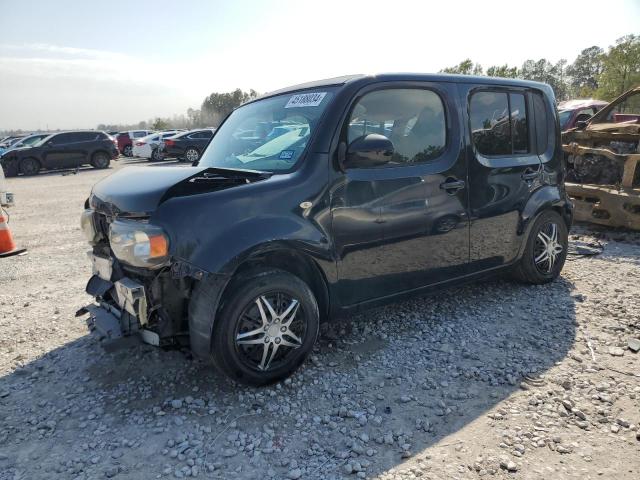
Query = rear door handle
x=452 y=185
x=530 y=174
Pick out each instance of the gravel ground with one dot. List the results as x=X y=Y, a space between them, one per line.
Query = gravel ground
x=492 y=380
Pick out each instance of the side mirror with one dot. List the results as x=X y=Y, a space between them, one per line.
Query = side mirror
x=581 y=124
x=368 y=151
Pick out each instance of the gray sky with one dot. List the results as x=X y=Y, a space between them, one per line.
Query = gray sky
x=77 y=63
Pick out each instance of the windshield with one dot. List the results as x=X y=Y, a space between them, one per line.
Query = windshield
x=625 y=111
x=565 y=116
x=43 y=141
x=268 y=135
x=31 y=141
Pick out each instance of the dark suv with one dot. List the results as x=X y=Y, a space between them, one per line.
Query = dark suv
x=61 y=150
x=372 y=188
x=188 y=145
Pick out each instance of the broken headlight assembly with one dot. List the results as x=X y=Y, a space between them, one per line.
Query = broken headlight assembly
x=88 y=227
x=139 y=244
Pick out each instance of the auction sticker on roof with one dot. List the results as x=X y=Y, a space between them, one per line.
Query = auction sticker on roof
x=305 y=100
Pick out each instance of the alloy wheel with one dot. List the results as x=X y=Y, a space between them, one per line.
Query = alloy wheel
x=547 y=249
x=192 y=155
x=101 y=160
x=269 y=330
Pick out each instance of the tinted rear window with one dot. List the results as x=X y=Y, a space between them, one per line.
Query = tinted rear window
x=499 y=124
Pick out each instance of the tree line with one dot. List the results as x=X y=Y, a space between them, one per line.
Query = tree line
x=594 y=73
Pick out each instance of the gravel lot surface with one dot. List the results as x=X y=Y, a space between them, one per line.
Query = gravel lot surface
x=493 y=380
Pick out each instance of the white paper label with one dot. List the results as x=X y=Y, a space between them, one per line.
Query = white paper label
x=305 y=100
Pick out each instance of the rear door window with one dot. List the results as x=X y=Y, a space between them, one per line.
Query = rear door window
x=204 y=134
x=62 y=139
x=499 y=124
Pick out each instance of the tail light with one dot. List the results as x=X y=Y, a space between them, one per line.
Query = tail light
x=139 y=144
x=169 y=143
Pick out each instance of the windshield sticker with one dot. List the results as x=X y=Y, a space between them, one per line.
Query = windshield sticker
x=286 y=155
x=306 y=100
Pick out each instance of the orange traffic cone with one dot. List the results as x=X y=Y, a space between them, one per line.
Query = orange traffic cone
x=7 y=245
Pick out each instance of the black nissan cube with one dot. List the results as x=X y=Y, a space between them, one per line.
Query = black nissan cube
x=326 y=198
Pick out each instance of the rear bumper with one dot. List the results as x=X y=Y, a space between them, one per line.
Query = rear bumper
x=606 y=205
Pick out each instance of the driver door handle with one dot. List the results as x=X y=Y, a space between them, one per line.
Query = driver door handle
x=452 y=185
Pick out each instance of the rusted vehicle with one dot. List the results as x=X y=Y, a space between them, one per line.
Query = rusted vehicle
x=603 y=177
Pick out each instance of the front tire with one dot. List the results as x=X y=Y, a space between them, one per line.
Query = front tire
x=156 y=155
x=29 y=166
x=546 y=250
x=266 y=328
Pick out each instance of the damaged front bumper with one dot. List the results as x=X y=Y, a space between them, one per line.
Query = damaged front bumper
x=121 y=308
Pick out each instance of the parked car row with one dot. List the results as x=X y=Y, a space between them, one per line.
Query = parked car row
x=151 y=146
x=59 y=150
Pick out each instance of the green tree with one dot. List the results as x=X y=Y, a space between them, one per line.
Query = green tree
x=160 y=124
x=218 y=105
x=504 y=71
x=544 y=71
x=585 y=70
x=620 y=67
x=466 y=67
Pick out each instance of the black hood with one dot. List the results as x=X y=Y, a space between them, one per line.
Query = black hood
x=137 y=191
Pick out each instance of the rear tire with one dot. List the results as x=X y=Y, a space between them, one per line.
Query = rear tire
x=156 y=155
x=266 y=328
x=100 y=160
x=127 y=151
x=545 y=252
x=192 y=154
x=29 y=166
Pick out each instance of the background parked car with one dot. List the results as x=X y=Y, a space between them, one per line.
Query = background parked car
x=61 y=150
x=151 y=146
x=573 y=111
x=8 y=142
x=125 y=140
x=188 y=145
x=28 y=141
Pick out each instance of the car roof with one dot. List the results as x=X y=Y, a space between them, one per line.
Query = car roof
x=580 y=103
x=407 y=77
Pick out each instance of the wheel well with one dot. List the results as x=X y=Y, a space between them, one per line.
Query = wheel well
x=566 y=215
x=37 y=160
x=93 y=155
x=294 y=262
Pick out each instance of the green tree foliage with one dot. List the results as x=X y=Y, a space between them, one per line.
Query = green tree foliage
x=503 y=71
x=593 y=73
x=160 y=124
x=218 y=105
x=466 y=67
x=585 y=70
x=620 y=68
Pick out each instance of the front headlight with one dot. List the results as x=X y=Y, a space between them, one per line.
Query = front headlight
x=89 y=229
x=139 y=244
